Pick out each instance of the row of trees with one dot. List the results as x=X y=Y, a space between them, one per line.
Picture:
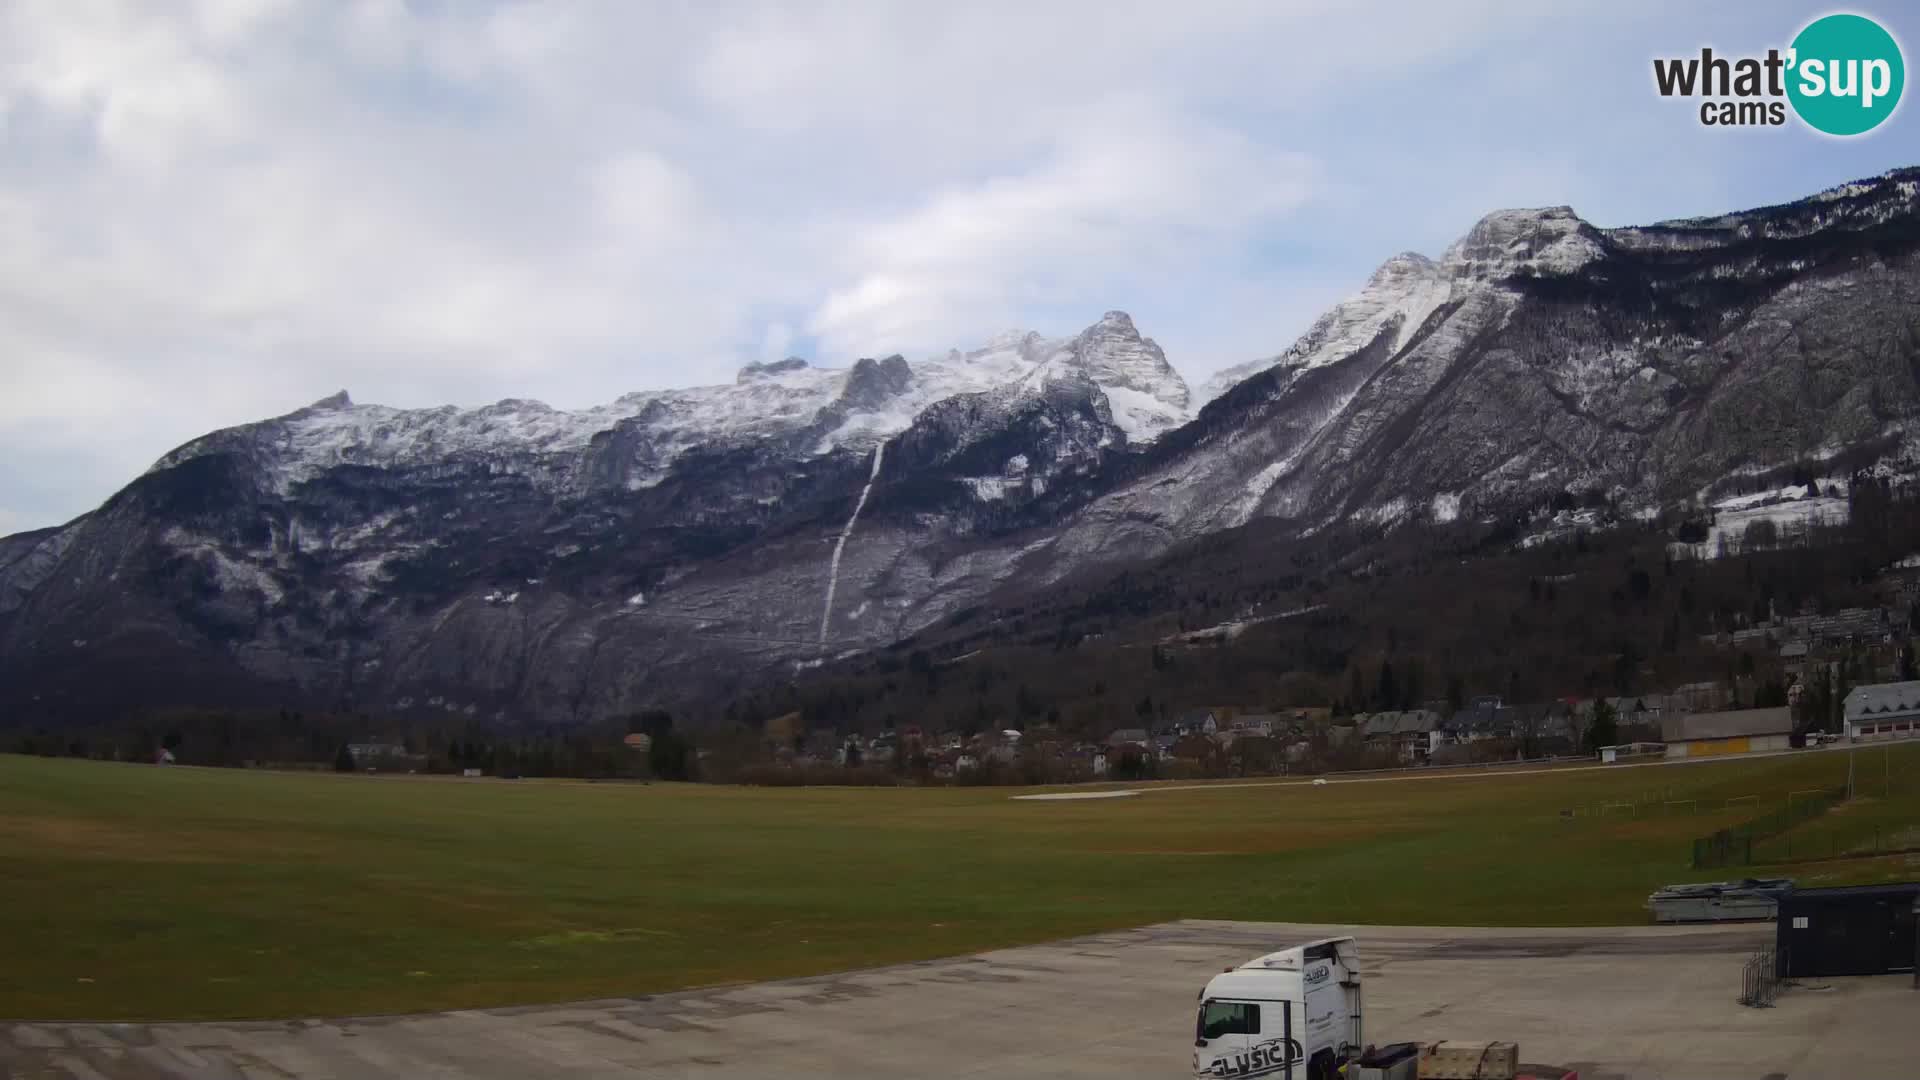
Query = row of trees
x=288 y=739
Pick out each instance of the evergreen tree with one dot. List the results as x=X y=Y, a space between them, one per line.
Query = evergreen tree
x=1605 y=730
x=1386 y=694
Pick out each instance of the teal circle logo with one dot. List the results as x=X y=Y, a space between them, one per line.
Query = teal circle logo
x=1846 y=74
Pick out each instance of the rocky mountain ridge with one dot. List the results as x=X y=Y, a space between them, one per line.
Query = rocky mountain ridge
x=516 y=563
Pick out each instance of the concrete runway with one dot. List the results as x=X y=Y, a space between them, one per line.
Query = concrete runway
x=1623 y=1003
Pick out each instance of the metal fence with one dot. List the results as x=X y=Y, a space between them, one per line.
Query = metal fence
x=1854 y=843
x=1723 y=848
x=1734 y=846
x=1760 y=979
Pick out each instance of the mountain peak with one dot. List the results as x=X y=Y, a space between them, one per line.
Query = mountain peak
x=336 y=402
x=1407 y=264
x=871 y=382
x=1148 y=396
x=1544 y=240
x=1009 y=339
x=761 y=369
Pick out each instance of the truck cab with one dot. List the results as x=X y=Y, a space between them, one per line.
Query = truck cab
x=1289 y=1014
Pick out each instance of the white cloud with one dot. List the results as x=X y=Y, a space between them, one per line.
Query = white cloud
x=1127 y=196
x=217 y=210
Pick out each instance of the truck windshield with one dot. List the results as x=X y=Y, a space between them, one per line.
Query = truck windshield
x=1219 y=1018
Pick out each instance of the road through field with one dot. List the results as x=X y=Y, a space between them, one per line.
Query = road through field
x=1620 y=1003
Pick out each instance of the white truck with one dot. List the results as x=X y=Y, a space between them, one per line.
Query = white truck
x=1292 y=1014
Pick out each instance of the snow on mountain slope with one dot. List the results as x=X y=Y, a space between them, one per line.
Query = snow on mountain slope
x=675 y=545
x=1336 y=396
x=850 y=408
x=1509 y=243
x=1147 y=396
x=1542 y=355
x=1409 y=288
x=1400 y=296
x=25 y=561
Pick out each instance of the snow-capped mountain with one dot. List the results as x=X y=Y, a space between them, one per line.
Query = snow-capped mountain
x=520 y=563
x=1541 y=354
x=487 y=557
x=818 y=410
x=1397 y=299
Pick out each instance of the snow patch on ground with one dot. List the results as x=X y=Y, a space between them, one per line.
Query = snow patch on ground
x=1790 y=516
x=371 y=570
x=1141 y=415
x=1386 y=513
x=1233 y=628
x=229 y=574
x=987 y=488
x=1789 y=494
x=1241 y=510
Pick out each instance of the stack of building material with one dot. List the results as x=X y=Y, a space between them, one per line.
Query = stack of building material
x=1719 y=901
x=1449 y=1060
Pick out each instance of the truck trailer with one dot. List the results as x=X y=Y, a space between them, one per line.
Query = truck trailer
x=1289 y=1014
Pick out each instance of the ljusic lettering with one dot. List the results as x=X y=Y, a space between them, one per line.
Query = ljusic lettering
x=1258 y=1060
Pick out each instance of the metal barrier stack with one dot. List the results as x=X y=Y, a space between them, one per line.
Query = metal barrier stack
x=1760 y=979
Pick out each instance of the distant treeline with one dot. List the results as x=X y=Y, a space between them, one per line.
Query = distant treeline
x=288 y=738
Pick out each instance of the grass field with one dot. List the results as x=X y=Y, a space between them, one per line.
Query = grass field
x=133 y=892
x=1873 y=821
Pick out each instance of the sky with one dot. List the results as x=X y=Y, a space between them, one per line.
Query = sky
x=215 y=211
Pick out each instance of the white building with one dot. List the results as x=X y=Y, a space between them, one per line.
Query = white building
x=1883 y=711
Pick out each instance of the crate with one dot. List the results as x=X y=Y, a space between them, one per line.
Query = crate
x=1469 y=1061
x=1395 y=1061
x=1404 y=1069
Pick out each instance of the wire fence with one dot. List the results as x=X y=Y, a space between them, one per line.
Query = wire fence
x=1837 y=844
x=1664 y=802
x=1760 y=979
x=1734 y=846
